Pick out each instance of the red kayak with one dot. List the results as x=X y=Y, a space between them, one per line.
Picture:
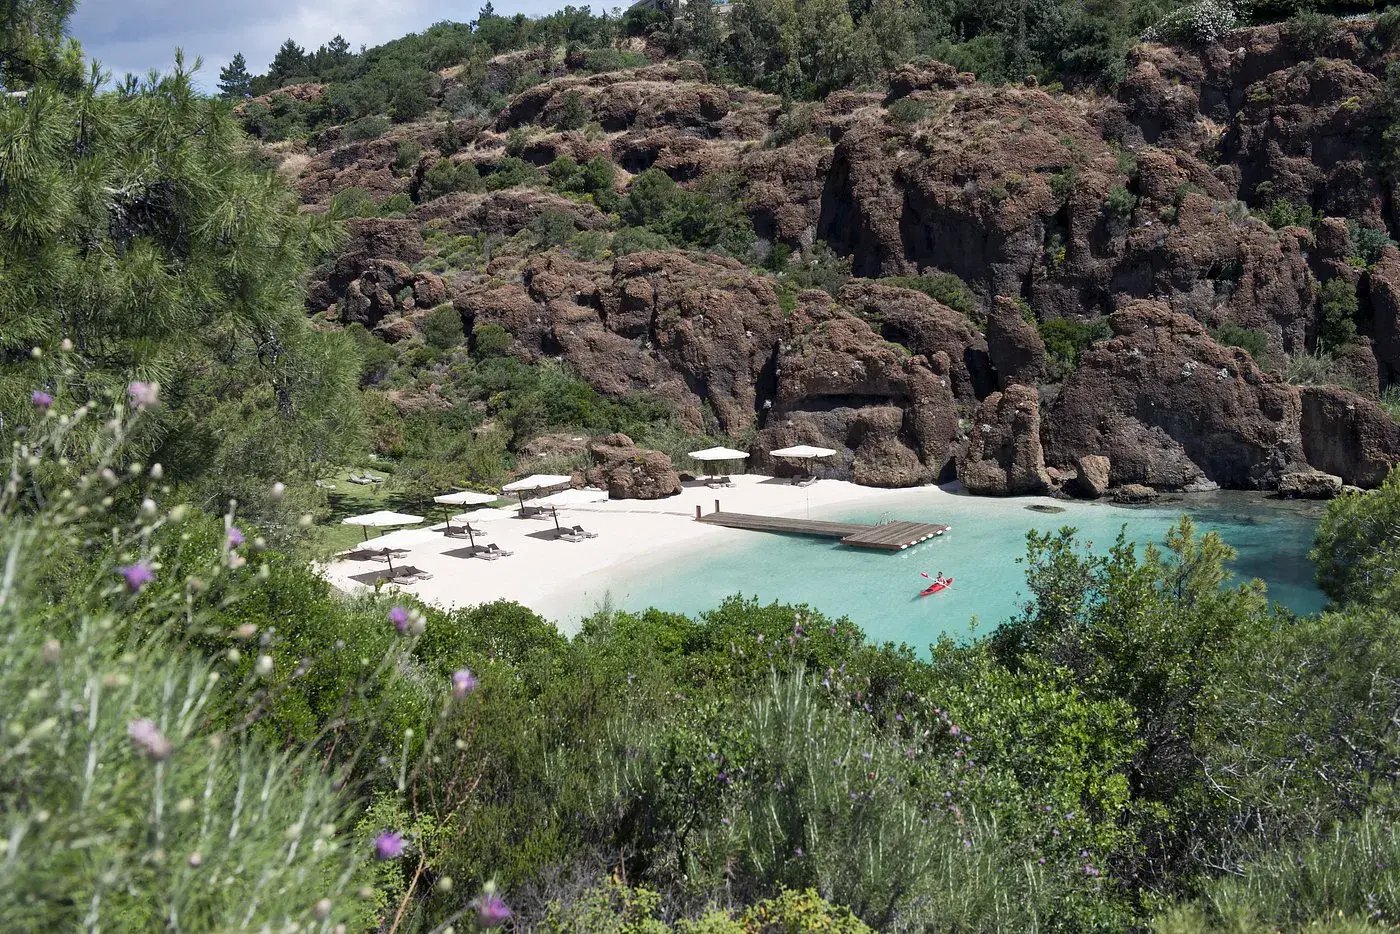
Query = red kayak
x=936 y=587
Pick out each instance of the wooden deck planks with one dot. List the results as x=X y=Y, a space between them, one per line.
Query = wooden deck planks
x=887 y=536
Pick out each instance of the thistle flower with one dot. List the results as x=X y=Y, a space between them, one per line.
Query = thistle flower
x=42 y=400
x=147 y=738
x=138 y=575
x=399 y=617
x=143 y=395
x=463 y=683
x=235 y=536
x=491 y=911
x=388 y=845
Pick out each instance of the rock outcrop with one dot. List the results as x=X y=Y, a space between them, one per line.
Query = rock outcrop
x=1349 y=436
x=629 y=472
x=1174 y=410
x=1092 y=475
x=1014 y=345
x=1004 y=455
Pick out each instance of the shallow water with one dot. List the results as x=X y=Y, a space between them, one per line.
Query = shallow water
x=879 y=590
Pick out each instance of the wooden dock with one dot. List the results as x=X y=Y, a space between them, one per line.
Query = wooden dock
x=886 y=536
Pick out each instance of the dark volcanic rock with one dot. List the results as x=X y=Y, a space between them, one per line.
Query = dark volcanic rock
x=1173 y=409
x=1349 y=436
x=1014 y=345
x=629 y=472
x=1004 y=455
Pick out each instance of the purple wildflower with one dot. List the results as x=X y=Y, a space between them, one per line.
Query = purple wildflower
x=143 y=395
x=463 y=683
x=953 y=730
x=399 y=617
x=41 y=400
x=235 y=536
x=148 y=738
x=491 y=911
x=138 y=575
x=799 y=853
x=388 y=845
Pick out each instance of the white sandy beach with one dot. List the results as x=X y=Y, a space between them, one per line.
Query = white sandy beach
x=561 y=579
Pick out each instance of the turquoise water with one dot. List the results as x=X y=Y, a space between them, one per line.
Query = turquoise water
x=879 y=590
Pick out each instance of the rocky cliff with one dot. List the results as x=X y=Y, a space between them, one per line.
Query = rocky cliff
x=1229 y=190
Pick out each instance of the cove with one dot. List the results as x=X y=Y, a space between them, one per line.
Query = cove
x=879 y=591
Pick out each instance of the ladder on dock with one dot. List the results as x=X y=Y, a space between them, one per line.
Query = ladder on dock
x=885 y=536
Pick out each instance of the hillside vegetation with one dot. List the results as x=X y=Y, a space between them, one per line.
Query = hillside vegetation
x=1182 y=267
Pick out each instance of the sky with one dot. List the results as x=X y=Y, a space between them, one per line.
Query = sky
x=138 y=35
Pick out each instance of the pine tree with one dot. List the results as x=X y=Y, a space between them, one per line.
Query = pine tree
x=234 y=81
x=288 y=63
x=338 y=50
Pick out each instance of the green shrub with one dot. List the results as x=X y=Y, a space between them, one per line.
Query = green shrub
x=1066 y=339
x=942 y=287
x=1063 y=182
x=1120 y=202
x=1337 y=307
x=1232 y=335
x=511 y=172
x=907 y=111
x=353 y=202
x=367 y=128
x=1310 y=32
x=637 y=240
x=490 y=340
x=406 y=156
x=573 y=112
x=446 y=177
x=442 y=327
x=1367 y=243
x=1284 y=213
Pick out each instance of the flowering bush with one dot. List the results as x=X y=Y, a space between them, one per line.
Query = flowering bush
x=1202 y=23
x=131 y=793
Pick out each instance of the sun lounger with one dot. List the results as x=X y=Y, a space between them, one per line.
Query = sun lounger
x=460 y=531
x=804 y=481
x=719 y=483
x=492 y=552
x=359 y=481
x=577 y=534
x=407 y=575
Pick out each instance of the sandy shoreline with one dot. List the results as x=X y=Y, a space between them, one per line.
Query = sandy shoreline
x=562 y=580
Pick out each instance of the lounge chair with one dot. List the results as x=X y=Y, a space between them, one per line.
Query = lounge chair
x=577 y=534
x=805 y=480
x=407 y=575
x=719 y=482
x=359 y=480
x=492 y=552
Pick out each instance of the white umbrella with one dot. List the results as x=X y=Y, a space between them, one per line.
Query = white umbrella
x=805 y=453
x=466 y=498
x=711 y=455
x=566 y=498
x=539 y=481
x=383 y=519
x=478 y=515
x=533 y=483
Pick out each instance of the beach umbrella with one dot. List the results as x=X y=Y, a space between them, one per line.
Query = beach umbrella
x=465 y=498
x=479 y=515
x=383 y=519
x=567 y=498
x=805 y=453
x=533 y=484
x=711 y=456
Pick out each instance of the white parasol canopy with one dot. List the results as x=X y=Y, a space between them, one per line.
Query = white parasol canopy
x=719 y=454
x=483 y=515
x=465 y=498
x=803 y=452
x=383 y=519
x=566 y=498
x=539 y=481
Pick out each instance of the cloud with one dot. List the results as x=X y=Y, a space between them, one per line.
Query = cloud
x=138 y=35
